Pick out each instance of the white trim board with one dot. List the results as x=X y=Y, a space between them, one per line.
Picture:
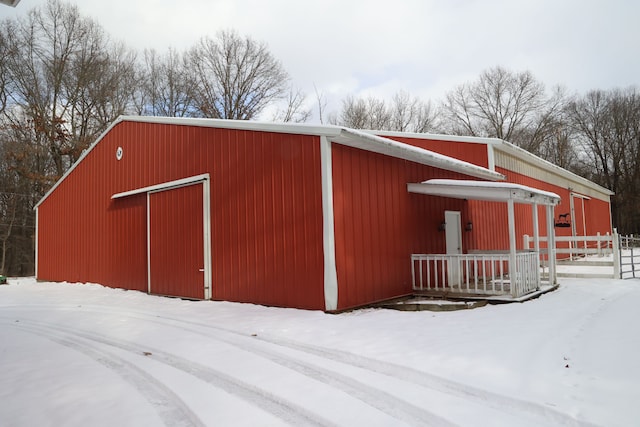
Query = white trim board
x=480 y=190
x=328 y=229
x=206 y=221
x=164 y=186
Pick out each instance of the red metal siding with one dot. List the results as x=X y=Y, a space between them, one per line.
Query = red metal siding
x=379 y=224
x=267 y=220
x=176 y=243
x=85 y=238
x=471 y=152
x=266 y=211
x=490 y=218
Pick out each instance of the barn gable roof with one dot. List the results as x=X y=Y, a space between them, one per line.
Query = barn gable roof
x=506 y=147
x=337 y=134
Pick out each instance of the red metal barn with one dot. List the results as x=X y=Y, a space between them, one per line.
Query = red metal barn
x=314 y=217
x=584 y=208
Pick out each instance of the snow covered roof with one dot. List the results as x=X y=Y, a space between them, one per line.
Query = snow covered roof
x=336 y=134
x=483 y=190
x=505 y=147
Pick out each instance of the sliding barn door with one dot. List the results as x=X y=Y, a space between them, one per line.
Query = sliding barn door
x=176 y=242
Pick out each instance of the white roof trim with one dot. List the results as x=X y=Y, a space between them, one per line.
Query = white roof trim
x=335 y=134
x=390 y=147
x=580 y=196
x=12 y=3
x=164 y=186
x=292 y=128
x=482 y=190
x=502 y=145
x=538 y=161
x=340 y=135
x=437 y=137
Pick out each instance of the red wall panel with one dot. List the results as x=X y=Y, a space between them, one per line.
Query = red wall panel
x=471 y=152
x=379 y=224
x=490 y=218
x=266 y=215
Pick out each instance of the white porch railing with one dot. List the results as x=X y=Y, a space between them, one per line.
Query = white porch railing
x=476 y=274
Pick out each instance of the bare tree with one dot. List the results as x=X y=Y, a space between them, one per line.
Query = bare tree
x=294 y=110
x=607 y=125
x=168 y=85
x=361 y=113
x=62 y=83
x=4 y=75
x=8 y=210
x=403 y=113
x=236 y=77
x=322 y=103
x=500 y=104
x=66 y=82
x=410 y=114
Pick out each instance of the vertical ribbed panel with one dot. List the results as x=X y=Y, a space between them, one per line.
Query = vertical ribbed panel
x=490 y=218
x=598 y=217
x=471 y=152
x=176 y=254
x=379 y=224
x=267 y=220
x=266 y=211
x=266 y=214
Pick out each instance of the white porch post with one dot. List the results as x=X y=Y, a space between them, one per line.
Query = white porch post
x=512 y=246
x=536 y=242
x=551 y=245
x=536 y=229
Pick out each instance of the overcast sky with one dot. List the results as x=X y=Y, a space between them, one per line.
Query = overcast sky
x=377 y=47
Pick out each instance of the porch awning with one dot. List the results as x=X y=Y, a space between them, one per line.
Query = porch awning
x=484 y=190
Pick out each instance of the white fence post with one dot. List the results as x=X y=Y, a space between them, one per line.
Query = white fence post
x=616 y=254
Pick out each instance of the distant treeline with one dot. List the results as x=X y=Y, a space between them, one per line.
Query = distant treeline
x=63 y=81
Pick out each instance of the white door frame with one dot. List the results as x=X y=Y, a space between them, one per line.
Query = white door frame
x=206 y=221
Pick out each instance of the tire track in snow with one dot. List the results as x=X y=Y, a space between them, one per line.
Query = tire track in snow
x=505 y=404
x=533 y=411
x=471 y=393
x=169 y=407
x=372 y=396
x=287 y=411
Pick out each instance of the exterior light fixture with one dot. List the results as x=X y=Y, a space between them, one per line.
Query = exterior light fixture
x=469 y=226
x=442 y=226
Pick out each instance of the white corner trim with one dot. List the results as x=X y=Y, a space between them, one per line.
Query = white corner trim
x=206 y=229
x=491 y=158
x=36 y=245
x=164 y=186
x=147 y=207
x=328 y=233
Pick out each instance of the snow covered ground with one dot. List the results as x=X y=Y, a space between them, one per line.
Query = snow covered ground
x=86 y=355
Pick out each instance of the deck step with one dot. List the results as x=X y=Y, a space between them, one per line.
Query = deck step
x=588 y=275
x=587 y=263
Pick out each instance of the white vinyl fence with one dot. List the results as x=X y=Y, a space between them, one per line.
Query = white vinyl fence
x=577 y=245
x=629 y=257
x=476 y=274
